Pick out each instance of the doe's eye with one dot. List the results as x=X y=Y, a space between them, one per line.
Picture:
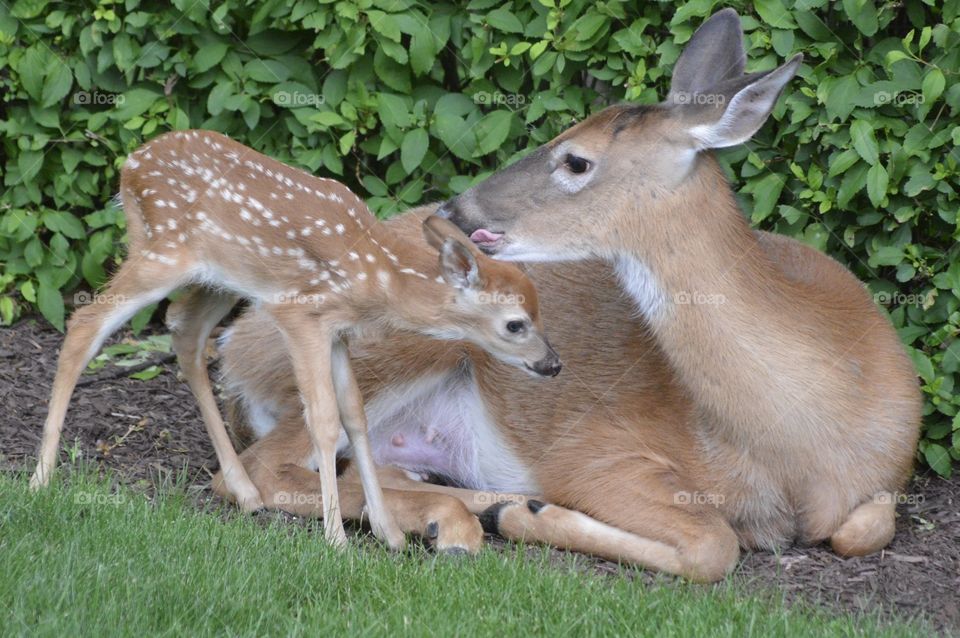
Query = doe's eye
x=576 y=165
x=515 y=326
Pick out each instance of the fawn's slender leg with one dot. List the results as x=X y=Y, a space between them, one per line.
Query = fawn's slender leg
x=350 y=402
x=191 y=319
x=309 y=343
x=136 y=285
x=442 y=520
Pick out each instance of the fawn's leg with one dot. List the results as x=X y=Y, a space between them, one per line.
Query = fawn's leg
x=191 y=319
x=136 y=285
x=275 y=464
x=354 y=420
x=309 y=343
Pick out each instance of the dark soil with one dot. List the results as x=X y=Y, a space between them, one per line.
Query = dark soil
x=145 y=431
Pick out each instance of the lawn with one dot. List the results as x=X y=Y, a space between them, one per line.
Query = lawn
x=83 y=558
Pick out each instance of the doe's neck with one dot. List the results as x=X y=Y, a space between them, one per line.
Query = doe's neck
x=689 y=248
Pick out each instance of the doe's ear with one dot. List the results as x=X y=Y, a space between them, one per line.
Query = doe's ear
x=458 y=265
x=741 y=107
x=714 y=54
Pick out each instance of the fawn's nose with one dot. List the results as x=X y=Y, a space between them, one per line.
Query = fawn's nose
x=549 y=366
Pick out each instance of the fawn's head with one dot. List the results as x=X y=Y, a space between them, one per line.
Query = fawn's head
x=565 y=198
x=494 y=304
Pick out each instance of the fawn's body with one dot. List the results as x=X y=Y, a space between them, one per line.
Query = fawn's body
x=206 y=212
x=760 y=398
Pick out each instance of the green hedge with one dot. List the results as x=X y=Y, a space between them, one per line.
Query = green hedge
x=411 y=103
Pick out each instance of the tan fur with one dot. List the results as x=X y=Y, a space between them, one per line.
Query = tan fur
x=724 y=388
x=618 y=436
x=207 y=212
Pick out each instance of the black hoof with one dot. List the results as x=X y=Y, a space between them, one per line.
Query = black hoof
x=535 y=506
x=490 y=518
x=455 y=551
x=432 y=531
x=260 y=511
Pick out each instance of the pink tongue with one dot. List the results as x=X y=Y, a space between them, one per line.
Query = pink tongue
x=483 y=236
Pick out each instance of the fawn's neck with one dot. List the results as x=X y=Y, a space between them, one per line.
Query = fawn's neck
x=412 y=295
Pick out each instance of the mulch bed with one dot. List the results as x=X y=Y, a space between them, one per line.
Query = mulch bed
x=161 y=435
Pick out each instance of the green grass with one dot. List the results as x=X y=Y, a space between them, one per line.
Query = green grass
x=80 y=559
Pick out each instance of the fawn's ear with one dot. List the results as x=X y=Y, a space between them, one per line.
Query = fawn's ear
x=437 y=230
x=458 y=265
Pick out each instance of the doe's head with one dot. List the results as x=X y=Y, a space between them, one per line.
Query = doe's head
x=570 y=198
x=494 y=304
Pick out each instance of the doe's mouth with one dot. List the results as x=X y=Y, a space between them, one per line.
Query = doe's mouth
x=488 y=241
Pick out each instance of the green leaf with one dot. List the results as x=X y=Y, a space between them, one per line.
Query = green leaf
x=147 y=373
x=385 y=24
x=26 y=9
x=31 y=68
x=775 y=14
x=938 y=458
x=216 y=100
x=492 y=131
x=66 y=223
x=766 y=192
x=327 y=118
x=393 y=110
x=7 y=311
x=842 y=162
x=209 y=55
x=50 y=304
x=56 y=85
x=886 y=256
x=502 y=20
x=423 y=51
x=877 y=180
x=839 y=95
x=861 y=133
x=863 y=14
x=29 y=163
x=28 y=291
x=33 y=252
x=413 y=149
x=135 y=102
x=933 y=85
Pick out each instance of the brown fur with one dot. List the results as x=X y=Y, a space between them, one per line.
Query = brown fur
x=744 y=390
x=210 y=214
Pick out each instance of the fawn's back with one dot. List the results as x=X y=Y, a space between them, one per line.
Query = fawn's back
x=231 y=216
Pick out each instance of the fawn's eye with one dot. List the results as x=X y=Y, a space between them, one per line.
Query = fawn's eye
x=576 y=165
x=515 y=327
